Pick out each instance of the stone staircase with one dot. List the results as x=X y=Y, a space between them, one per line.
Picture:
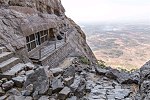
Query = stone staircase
x=9 y=64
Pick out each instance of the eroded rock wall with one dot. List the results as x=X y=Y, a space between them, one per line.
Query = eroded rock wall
x=20 y=18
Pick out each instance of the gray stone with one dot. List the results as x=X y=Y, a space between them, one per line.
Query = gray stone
x=145 y=81
x=69 y=72
x=39 y=80
x=89 y=85
x=57 y=85
x=4 y=80
x=28 y=98
x=29 y=72
x=81 y=88
x=48 y=72
x=118 y=93
x=3 y=97
x=44 y=98
x=145 y=87
x=12 y=97
x=113 y=74
x=7 y=85
x=28 y=90
x=1 y=92
x=19 y=80
x=56 y=71
x=49 y=92
x=21 y=73
x=72 y=98
x=29 y=66
x=76 y=83
x=1 y=82
x=19 y=97
x=26 y=93
x=145 y=71
x=101 y=71
x=14 y=91
x=30 y=87
x=36 y=95
x=135 y=77
x=68 y=81
x=63 y=94
x=122 y=77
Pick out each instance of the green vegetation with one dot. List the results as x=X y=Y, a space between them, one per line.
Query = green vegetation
x=125 y=70
x=101 y=63
x=84 y=60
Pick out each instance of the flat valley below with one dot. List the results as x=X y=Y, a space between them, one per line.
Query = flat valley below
x=125 y=46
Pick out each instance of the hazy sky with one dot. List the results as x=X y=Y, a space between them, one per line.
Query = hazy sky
x=107 y=10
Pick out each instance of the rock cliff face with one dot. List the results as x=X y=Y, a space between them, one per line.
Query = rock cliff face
x=45 y=54
x=21 y=18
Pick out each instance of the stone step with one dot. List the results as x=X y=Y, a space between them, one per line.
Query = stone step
x=5 y=56
x=3 y=49
x=13 y=71
x=8 y=64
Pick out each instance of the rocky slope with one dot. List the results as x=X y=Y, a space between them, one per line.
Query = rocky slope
x=78 y=76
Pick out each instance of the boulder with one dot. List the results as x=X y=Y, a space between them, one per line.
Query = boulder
x=30 y=87
x=1 y=92
x=28 y=98
x=48 y=72
x=89 y=85
x=29 y=72
x=135 y=76
x=81 y=88
x=28 y=91
x=39 y=80
x=145 y=88
x=145 y=81
x=123 y=77
x=3 y=97
x=7 y=85
x=44 y=98
x=145 y=71
x=49 y=92
x=19 y=80
x=14 y=91
x=101 y=71
x=76 y=83
x=4 y=80
x=118 y=94
x=36 y=95
x=57 y=85
x=68 y=81
x=72 y=98
x=69 y=72
x=56 y=71
x=22 y=73
x=29 y=66
x=63 y=94
x=1 y=82
x=113 y=74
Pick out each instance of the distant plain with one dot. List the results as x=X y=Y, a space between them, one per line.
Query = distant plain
x=120 y=45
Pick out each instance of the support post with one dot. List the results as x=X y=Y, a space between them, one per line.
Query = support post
x=40 y=53
x=65 y=37
x=55 y=42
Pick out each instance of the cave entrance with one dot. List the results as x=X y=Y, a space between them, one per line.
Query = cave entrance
x=34 y=40
x=51 y=35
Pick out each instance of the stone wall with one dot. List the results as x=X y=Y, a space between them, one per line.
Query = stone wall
x=58 y=56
